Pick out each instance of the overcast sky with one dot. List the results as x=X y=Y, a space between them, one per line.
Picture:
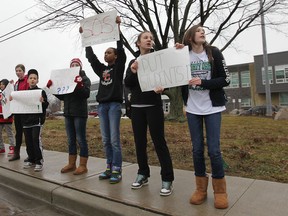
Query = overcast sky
x=53 y=49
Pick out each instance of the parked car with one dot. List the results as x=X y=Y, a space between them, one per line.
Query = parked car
x=259 y=111
x=93 y=113
x=57 y=113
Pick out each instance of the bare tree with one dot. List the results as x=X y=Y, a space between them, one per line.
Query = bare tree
x=168 y=20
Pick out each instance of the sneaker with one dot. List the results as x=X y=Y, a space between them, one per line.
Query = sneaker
x=11 y=151
x=2 y=151
x=106 y=174
x=116 y=176
x=26 y=160
x=166 y=189
x=28 y=165
x=38 y=167
x=140 y=181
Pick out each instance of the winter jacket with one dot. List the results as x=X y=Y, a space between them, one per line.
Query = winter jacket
x=111 y=76
x=219 y=79
x=75 y=103
x=36 y=118
x=8 y=120
x=21 y=84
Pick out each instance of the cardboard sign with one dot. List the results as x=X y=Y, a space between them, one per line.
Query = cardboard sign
x=5 y=102
x=99 y=29
x=26 y=101
x=63 y=80
x=166 y=68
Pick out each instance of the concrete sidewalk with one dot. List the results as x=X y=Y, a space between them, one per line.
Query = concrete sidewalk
x=87 y=195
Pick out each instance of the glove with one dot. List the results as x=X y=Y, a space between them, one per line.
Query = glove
x=78 y=80
x=49 y=84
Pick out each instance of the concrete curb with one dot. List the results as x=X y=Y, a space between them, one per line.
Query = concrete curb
x=69 y=199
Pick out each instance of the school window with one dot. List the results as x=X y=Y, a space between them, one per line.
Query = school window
x=234 y=80
x=270 y=75
x=283 y=99
x=281 y=73
x=246 y=102
x=245 y=78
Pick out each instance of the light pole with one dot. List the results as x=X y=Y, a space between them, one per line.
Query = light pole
x=265 y=62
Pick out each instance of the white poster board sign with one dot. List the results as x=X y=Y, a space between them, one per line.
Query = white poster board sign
x=99 y=29
x=5 y=102
x=63 y=80
x=166 y=68
x=26 y=101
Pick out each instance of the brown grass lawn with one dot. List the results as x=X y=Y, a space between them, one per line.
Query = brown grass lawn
x=253 y=147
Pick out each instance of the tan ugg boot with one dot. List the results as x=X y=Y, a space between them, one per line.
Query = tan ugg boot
x=220 y=195
x=71 y=166
x=200 y=195
x=82 y=166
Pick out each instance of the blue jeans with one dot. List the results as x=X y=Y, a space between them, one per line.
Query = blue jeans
x=76 y=130
x=212 y=126
x=110 y=115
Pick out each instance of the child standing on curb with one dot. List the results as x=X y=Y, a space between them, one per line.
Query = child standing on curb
x=32 y=127
x=6 y=123
x=110 y=97
x=147 y=111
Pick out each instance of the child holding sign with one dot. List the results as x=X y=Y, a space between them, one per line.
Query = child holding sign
x=147 y=110
x=110 y=97
x=76 y=114
x=6 y=123
x=32 y=127
x=20 y=85
x=205 y=99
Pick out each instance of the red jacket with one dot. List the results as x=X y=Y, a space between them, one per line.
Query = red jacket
x=21 y=84
x=9 y=120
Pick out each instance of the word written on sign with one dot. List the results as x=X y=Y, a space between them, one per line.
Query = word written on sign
x=63 y=80
x=100 y=28
x=166 y=68
x=26 y=101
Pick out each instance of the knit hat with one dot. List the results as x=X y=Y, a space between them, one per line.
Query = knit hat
x=76 y=60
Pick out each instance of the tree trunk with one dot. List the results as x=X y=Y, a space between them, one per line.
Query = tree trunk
x=176 y=105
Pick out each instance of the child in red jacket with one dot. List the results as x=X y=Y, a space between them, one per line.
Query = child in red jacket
x=6 y=123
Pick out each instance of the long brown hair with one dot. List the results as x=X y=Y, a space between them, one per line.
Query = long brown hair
x=189 y=38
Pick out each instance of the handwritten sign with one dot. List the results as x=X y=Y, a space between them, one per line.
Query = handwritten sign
x=63 y=80
x=100 y=28
x=26 y=101
x=166 y=68
x=5 y=102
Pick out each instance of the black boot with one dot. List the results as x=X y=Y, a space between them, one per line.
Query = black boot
x=16 y=155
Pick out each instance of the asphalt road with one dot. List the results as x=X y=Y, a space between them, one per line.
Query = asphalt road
x=19 y=204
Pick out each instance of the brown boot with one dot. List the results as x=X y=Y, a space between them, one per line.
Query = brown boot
x=220 y=195
x=200 y=195
x=82 y=166
x=71 y=166
x=16 y=155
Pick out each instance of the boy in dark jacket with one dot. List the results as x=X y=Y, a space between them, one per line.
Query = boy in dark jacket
x=32 y=126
